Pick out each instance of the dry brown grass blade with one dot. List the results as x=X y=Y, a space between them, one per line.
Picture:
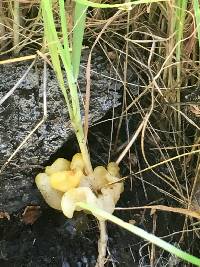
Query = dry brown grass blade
x=187 y=212
x=168 y=160
x=17 y=59
x=87 y=101
x=132 y=140
x=25 y=58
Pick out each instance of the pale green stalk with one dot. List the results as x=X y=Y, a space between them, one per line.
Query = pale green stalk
x=140 y=232
x=180 y=22
x=52 y=40
x=179 y=27
x=62 y=51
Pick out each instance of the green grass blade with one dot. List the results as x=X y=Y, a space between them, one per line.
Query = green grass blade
x=78 y=32
x=179 y=27
x=63 y=20
x=52 y=41
x=140 y=232
x=57 y=52
x=66 y=59
x=180 y=22
x=197 y=17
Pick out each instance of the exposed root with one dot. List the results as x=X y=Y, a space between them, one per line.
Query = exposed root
x=102 y=244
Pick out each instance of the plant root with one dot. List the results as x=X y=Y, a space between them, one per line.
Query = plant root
x=102 y=244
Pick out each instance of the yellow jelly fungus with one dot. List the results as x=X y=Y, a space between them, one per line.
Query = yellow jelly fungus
x=99 y=178
x=113 y=169
x=77 y=162
x=64 y=184
x=65 y=180
x=105 y=201
x=116 y=185
x=80 y=194
x=115 y=190
x=51 y=196
x=85 y=182
x=59 y=165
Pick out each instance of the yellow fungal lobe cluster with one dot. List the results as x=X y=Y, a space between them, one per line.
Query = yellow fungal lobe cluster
x=65 y=183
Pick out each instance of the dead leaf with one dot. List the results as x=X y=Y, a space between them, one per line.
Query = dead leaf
x=4 y=215
x=195 y=109
x=31 y=214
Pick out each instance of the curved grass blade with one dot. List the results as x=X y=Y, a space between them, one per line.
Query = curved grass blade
x=140 y=232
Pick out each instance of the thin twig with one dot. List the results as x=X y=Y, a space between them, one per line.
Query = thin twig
x=17 y=84
x=16 y=26
x=87 y=101
x=131 y=141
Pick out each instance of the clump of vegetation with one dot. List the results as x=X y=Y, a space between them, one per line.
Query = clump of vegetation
x=66 y=187
x=159 y=42
x=65 y=184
